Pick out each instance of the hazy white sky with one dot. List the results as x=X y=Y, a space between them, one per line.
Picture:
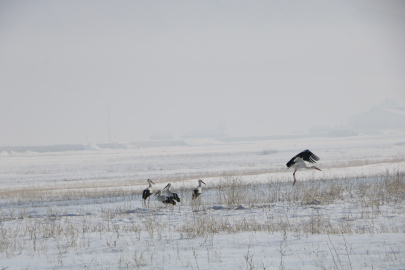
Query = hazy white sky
x=262 y=67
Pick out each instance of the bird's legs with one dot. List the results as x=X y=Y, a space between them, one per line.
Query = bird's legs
x=294 y=177
x=148 y=201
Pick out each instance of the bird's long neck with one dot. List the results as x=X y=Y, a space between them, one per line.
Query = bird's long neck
x=150 y=184
x=200 y=185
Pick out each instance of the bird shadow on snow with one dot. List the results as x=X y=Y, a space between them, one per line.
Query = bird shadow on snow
x=220 y=207
x=146 y=211
x=139 y=211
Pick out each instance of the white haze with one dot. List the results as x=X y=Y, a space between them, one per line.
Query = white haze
x=260 y=67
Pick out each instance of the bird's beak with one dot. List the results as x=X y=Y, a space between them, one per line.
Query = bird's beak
x=166 y=186
x=202 y=182
x=152 y=182
x=156 y=193
x=318 y=169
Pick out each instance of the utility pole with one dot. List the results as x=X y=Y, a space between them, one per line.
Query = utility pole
x=109 y=124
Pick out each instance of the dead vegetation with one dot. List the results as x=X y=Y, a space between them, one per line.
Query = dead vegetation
x=115 y=186
x=311 y=197
x=361 y=204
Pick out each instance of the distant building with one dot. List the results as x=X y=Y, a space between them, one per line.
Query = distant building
x=338 y=131
x=342 y=131
x=202 y=134
x=387 y=115
x=157 y=143
x=161 y=135
x=297 y=132
x=319 y=129
x=209 y=133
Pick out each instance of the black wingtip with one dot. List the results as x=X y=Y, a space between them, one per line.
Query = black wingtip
x=305 y=155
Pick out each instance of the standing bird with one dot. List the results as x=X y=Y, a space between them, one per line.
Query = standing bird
x=147 y=192
x=298 y=163
x=164 y=199
x=171 y=194
x=197 y=190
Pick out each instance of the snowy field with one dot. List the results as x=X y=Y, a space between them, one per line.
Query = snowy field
x=83 y=209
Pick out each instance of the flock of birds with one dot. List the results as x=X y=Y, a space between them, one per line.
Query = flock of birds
x=170 y=197
x=296 y=163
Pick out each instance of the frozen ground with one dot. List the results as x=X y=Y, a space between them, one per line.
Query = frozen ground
x=83 y=209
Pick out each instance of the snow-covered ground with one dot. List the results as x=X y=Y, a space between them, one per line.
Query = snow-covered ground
x=83 y=209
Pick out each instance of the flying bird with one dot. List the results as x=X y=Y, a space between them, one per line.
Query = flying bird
x=164 y=199
x=147 y=192
x=298 y=163
x=171 y=194
x=197 y=190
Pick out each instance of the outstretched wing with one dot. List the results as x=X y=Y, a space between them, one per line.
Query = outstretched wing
x=305 y=155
